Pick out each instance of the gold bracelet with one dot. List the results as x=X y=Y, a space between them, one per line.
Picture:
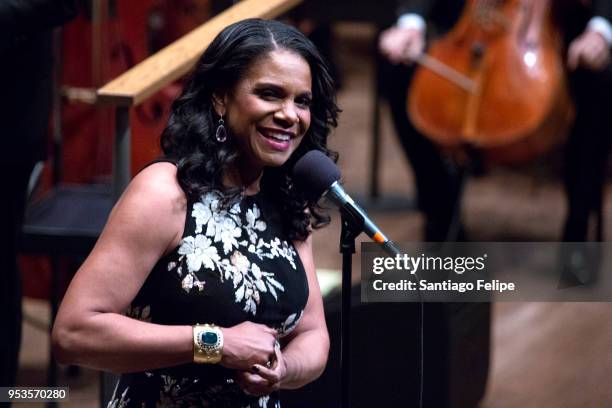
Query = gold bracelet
x=207 y=344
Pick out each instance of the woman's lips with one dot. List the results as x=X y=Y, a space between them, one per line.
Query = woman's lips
x=277 y=139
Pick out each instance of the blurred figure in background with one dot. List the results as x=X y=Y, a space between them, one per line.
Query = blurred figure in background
x=26 y=74
x=588 y=36
x=436 y=179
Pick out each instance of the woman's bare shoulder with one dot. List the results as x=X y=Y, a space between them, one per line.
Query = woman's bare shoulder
x=153 y=199
x=158 y=185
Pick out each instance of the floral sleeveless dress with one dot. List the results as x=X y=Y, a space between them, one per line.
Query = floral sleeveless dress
x=232 y=265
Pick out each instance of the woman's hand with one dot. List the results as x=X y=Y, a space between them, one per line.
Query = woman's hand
x=261 y=380
x=247 y=344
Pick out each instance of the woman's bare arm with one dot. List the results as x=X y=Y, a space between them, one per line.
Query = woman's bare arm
x=306 y=352
x=90 y=330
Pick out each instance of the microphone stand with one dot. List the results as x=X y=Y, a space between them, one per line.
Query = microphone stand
x=351 y=228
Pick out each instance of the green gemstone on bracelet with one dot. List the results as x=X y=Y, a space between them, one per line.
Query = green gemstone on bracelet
x=209 y=338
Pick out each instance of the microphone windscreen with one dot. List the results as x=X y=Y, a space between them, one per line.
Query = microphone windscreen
x=314 y=173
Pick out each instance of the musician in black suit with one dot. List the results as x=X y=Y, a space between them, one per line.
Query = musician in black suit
x=588 y=36
x=25 y=72
x=436 y=179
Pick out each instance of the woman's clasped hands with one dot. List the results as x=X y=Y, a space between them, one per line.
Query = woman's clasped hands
x=264 y=379
x=254 y=352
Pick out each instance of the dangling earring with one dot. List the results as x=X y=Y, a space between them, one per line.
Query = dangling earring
x=221 y=134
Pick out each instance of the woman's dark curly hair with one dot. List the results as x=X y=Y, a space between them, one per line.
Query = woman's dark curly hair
x=189 y=139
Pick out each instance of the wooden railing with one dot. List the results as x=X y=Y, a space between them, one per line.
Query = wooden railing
x=151 y=75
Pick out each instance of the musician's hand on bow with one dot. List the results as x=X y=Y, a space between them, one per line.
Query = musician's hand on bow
x=402 y=45
x=589 y=50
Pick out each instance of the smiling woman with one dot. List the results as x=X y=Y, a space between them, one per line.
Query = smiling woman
x=202 y=287
x=269 y=110
x=264 y=63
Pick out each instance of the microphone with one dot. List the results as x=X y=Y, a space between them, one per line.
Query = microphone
x=318 y=176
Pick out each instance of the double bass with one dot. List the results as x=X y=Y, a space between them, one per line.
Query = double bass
x=495 y=82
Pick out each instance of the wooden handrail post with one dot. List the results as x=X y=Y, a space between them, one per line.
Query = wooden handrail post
x=122 y=151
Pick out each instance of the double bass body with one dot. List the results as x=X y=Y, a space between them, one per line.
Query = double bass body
x=515 y=105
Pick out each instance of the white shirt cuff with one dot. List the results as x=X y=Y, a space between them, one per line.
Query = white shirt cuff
x=411 y=20
x=602 y=26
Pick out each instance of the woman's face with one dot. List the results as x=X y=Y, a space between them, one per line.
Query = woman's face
x=268 y=112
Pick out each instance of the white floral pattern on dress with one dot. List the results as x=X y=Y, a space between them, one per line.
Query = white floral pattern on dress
x=215 y=225
x=181 y=392
x=290 y=323
x=142 y=313
x=188 y=392
x=232 y=246
x=263 y=401
x=121 y=402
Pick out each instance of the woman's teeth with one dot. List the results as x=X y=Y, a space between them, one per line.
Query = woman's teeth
x=279 y=137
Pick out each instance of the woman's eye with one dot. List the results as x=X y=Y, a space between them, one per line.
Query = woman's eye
x=306 y=102
x=267 y=94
